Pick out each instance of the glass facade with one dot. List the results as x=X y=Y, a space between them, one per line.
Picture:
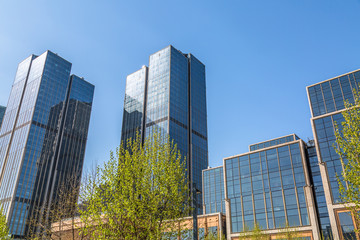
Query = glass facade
x=347 y=225
x=274 y=142
x=213 y=190
x=43 y=138
x=326 y=101
x=325 y=134
x=329 y=96
x=157 y=99
x=199 y=143
x=267 y=187
x=174 y=103
x=2 y=112
x=134 y=104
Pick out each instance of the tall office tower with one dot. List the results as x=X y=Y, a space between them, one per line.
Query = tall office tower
x=42 y=139
x=171 y=96
x=2 y=112
x=270 y=186
x=326 y=101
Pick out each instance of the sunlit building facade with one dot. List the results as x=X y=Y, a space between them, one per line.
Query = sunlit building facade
x=42 y=138
x=134 y=105
x=271 y=187
x=170 y=96
x=326 y=101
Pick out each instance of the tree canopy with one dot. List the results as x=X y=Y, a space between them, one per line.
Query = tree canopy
x=4 y=231
x=139 y=193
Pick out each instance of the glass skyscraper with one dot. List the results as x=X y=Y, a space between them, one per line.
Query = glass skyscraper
x=2 y=112
x=326 y=101
x=170 y=96
x=43 y=137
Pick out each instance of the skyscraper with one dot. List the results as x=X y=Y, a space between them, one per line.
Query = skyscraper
x=326 y=101
x=170 y=95
x=2 y=112
x=43 y=137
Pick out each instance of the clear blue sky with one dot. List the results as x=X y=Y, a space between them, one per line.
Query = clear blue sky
x=259 y=57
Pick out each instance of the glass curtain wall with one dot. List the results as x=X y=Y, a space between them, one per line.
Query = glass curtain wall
x=213 y=191
x=267 y=187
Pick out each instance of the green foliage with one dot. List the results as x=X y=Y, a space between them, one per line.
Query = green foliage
x=255 y=234
x=4 y=231
x=348 y=147
x=140 y=193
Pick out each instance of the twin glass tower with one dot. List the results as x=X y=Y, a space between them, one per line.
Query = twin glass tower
x=170 y=95
x=42 y=138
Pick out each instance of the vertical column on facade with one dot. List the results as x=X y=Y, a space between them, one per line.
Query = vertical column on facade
x=228 y=218
x=326 y=186
x=309 y=196
x=143 y=123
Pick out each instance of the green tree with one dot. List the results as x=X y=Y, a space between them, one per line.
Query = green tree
x=348 y=147
x=4 y=231
x=140 y=193
x=256 y=233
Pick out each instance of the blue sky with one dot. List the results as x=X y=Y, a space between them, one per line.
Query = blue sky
x=259 y=57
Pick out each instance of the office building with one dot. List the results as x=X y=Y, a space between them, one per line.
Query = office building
x=326 y=101
x=213 y=190
x=2 y=112
x=273 y=142
x=170 y=96
x=270 y=186
x=42 y=138
x=207 y=224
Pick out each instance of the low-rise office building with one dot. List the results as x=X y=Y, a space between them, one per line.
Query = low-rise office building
x=326 y=101
x=213 y=187
x=213 y=223
x=270 y=186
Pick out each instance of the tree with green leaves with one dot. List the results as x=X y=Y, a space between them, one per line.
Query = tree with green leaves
x=4 y=231
x=348 y=147
x=256 y=233
x=140 y=193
